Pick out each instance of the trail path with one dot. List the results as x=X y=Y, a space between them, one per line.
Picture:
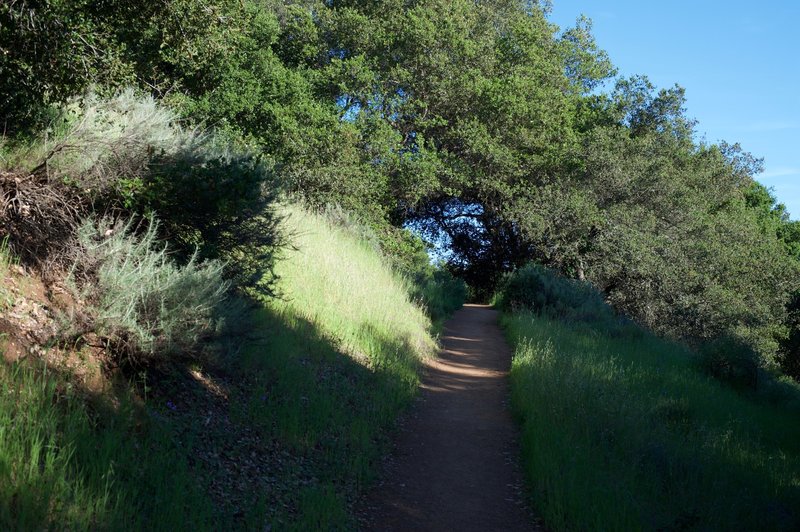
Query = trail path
x=455 y=466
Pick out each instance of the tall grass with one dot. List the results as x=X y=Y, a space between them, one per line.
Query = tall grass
x=336 y=365
x=338 y=282
x=6 y=261
x=437 y=290
x=344 y=342
x=66 y=466
x=623 y=431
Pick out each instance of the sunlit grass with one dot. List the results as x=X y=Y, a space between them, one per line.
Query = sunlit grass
x=343 y=286
x=339 y=362
x=66 y=466
x=6 y=261
x=623 y=432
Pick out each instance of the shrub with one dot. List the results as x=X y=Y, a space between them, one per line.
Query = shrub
x=544 y=291
x=439 y=291
x=129 y=154
x=731 y=360
x=142 y=303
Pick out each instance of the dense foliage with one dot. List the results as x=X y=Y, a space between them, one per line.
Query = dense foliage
x=543 y=291
x=480 y=124
x=129 y=155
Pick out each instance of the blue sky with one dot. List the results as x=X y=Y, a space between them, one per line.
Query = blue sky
x=739 y=62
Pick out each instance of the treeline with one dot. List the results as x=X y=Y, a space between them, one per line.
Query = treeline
x=480 y=124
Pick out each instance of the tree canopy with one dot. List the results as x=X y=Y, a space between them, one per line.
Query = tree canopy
x=478 y=123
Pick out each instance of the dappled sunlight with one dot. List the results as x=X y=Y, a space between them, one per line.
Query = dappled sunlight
x=456 y=371
x=462 y=364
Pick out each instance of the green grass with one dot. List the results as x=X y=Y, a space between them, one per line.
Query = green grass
x=73 y=460
x=313 y=399
x=622 y=431
x=347 y=290
x=65 y=465
x=6 y=261
x=339 y=363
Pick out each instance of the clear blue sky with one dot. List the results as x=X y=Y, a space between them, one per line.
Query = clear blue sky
x=739 y=62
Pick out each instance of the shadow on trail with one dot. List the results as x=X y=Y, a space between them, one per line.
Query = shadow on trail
x=456 y=461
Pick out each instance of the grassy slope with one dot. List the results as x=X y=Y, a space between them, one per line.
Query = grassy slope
x=337 y=364
x=72 y=461
x=64 y=465
x=344 y=343
x=624 y=433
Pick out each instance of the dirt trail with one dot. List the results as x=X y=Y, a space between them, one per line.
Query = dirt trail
x=455 y=464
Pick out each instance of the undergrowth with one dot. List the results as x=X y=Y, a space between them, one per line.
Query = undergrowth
x=70 y=466
x=622 y=430
x=440 y=293
x=436 y=289
x=143 y=303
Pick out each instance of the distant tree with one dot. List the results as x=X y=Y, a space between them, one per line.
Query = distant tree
x=773 y=217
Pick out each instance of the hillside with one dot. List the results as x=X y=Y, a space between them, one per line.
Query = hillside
x=286 y=431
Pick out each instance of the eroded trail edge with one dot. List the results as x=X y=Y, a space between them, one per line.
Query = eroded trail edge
x=455 y=465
